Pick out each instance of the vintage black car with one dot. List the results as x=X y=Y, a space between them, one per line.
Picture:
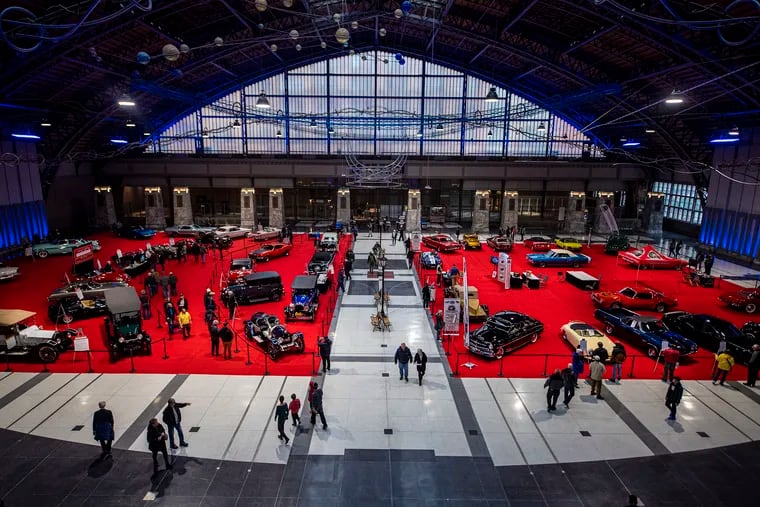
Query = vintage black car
x=211 y=239
x=304 y=298
x=504 y=332
x=262 y=286
x=64 y=304
x=22 y=338
x=616 y=243
x=124 y=330
x=707 y=331
x=273 y=337
x=320 y=265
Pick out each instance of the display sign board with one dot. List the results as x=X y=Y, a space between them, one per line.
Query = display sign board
x=81 y=344
x=118 y=253
x=147 y=246
x=416 y=240
x=502 y=273
x=171 y=241
x=83 y=259
x=98 y=264
x=28 y=252
x=451 y=315
x=79 y=293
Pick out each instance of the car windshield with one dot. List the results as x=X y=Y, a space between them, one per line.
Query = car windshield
x=653 y=326
x=302 y=292
x=588 y=332
x=128 y=324
x=726 y=328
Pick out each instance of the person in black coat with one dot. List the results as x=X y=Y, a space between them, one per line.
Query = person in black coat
x=420 y=359
x=569 y=378
x=753 y=366
x=426 y=296
x=157 y=443
x=555 y=385
x=102 y=429
x=403 y=357
x=173 y=419
x=317 y=407
x=673 y=397
x=709 y=261
x=601 y=352
x=281 y=415
x=325 y=347
x=213 y=331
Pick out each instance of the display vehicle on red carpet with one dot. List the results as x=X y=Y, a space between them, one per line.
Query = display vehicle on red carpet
x=190 y=230
x=135 y=232
x=616 y=243
x=262 y=286
x=648 y=257
x=320 y=265
x=500 y=243
x=232 y=232
x=61 y=247
x=539 y=243
x=567 y=243
x=211 y=240
x=504 y=332
x=270 y=251
x=329 y=241
x=8 y=272
x=558 y=257
x=575 y=330
x=430 y=260
x=99 y=277
x=304 y=299
x=471 y=242
x=641 y=330
x=641 y=298
x=239 y=269
x=441 y=243
x=708 y=331
x=23 y=338
x=124 y=330
x=65 y=305
x=745 y=299
x=266 y=233
x=267 y=331
x=752 y=330
x=132 y=263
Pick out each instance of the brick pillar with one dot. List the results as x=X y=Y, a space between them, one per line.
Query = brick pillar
x=344 y=208
x=154 y=209
x=600 y=224
x=248 y=208
x=509 y=210
x=276 y=208
x=413 y=210
x=183 y=208
x=653 y=213
x=105 y=212
x=575 y=214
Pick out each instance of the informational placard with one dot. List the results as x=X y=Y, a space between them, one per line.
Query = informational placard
x=171 y=241
x=502 y=272
x=79 y=293
x=82 y=254
x=451 y=315
x=118 y=253
x=416 y=240
x=147 y=245
x=81 y=344
x=28 y=252
x=98 y=264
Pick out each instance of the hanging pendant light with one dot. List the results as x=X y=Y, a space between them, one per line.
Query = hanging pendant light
x=263 y=102
x=541 y=127
x=492 y=96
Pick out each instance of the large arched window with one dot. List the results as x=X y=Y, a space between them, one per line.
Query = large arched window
x=371 y=104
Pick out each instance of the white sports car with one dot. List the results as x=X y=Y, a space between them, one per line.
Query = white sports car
x=232 y=232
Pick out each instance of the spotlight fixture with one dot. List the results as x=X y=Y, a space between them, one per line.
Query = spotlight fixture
x=439 y=126
x=492 y=96
x=146 y=134
x=30 y=137
x=236 y=124
x=279 y=133
x=118 y=140
x=126 y=101
x=734 y=131
x=419 y=133
x=428 y=187
x=631 y=144
x=313 y=124
x=724 y=140
x=130 y=124
x=490 y=133
x=330 y=130
x=205 y=134
x=541 y=127
x=649 y=131
x=46 y=123
x=675 y=97
x=263 y=102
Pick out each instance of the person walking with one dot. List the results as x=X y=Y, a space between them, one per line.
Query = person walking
x=145 y=305
x=213 y=331
x=171 y=313
x=410 y=258
x=753 y=366
x=355 y=232
x=281 y=415
x=341 y=282
x=182 y=303
x=371 y=261
x=347 y=266
x=420 y=359
x=725 y=364
x=672 y=248
x=699 y=259
x=570 y=380
x=226 y=336
x=164 y=281
x=555 y=383
x=402 y=358
x=670 y=357
x=317 y=407
x=439 y=324
x=203 y=251
x=157 y=443
x=673 y=396
x=709 y=261
x=597 y=369
x=325 y=347
x=617 y=358
x=426 y=296
x=439 y=274
x=185 y=320
x=102 y=429
x=583 y=345
x=579 y=364
x=295 y=407
x=679 y=246
x=173 y=283
x=172 y=417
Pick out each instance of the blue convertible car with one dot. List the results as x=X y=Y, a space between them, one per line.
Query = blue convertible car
x=430 y=260
x=558 y=257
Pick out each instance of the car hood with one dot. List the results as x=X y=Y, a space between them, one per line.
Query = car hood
x=260 y=251
x=678 y=340
x=734 y=298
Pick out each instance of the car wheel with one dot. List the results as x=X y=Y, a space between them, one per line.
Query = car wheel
x=541 y=264
x=609 y=328
x=148 y=350
x=660 y=307
x=67 y=318
x=534 y=338
x=750 y=308
x=47 y=354
x=276 y=296
x=616 y=306
x=298 y=345
x=575 y=264
x=499 y=353
x=41 y=253
x=750 y=336
x=652 y=352
x=272 y=351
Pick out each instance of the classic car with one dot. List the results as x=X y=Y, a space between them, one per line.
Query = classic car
x=441 y=243
x=320 y=265
x=708 y=331
x=642 y=298
x=504 y=332
x=571 y=244
x=744 y=299
x=23 y=338
x=477 y=312
x=574 y=331
x=558 y=257
x=649 y=257
x=430 y=260
x=191 y=230
x=265 y=233
x=232 y=232
x=124 y=330
x=98 y=277
x=132 y=263
x=239 y=268
x=471 y=242
x=135 y=232
x=270 y=251
x=65 y=306
x=262 y=286
x=539 y=243
x=752 y=330
x=304 y=298
x=329 y=241
x=211 y=240
x=8 y=272
x=615 y=243
x=500 y=243
x=647 y=332
x=61 y=247
x=272 y=336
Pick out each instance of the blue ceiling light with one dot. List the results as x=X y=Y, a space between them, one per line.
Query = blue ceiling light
x=28 y=137
x=118 y=140
x=631 y=144
x=724 y=140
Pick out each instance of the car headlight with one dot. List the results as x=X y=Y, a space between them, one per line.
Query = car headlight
x=291 y=306
x=139 y=336
x=121 y=339
x=490 y=346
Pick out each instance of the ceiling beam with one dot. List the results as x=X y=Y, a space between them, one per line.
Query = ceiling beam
x=237 y=15
x=524 y=8
x=444 y=13
x=480 y=53
x=593 y=37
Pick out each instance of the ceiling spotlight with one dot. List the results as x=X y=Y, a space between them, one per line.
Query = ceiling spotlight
x=313 y=124
x=428 y=187
x=146 y=134
x=724 y=140
x=32 y=137
x=439 y=126
x=492 y=96
x=118 y=140
x=419 y=133
x=733 y=132
x=236 y=124
x=205 y=134
x=126 y=101
x=46 y=123
x=541 y=127
x=279 y=133
x=262 y=102
x=330 y=130
x=649 y=131
x=674 y=98
x=130 y=124
x=631 y=144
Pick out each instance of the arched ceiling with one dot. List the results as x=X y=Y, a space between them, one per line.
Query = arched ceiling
x=606 y=64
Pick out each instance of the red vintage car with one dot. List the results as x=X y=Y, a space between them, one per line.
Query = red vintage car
x=539 y=244
x=745 y=299
x=441 y=243
x=270 y=251
x=642 y=298
x=500 y=243
x=265 y=234
x=237 y=275
x=99 y=277
x=649 y=257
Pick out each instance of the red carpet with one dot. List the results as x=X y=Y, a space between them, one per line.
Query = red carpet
x=561 y=302
x=41 y=276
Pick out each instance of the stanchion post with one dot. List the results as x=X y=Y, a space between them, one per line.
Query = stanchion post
x=313 y=371
x=166 y=356
x=237 y=348
x=132 y=361
x=7 y=362
x=633 y=364
x=546 y=363
x=158 y=316
x=89 y=362
x=45 y=368
x=501 y=366
x=248 y=352
x=266 y=363
x=448 y=344
x=456 y=366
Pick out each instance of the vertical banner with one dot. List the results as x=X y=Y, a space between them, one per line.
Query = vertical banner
x=502 y=272
x=466 y=309
x=451 y=315
x=416 y=240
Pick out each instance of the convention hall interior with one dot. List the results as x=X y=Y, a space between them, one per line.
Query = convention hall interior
x=527 y=232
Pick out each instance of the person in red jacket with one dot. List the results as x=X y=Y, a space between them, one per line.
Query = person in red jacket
x=295 y=407
x=670 y=358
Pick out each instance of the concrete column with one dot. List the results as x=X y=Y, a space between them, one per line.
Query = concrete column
x=344 y=208
x=480 y=211
x=154 y=209
x=600 y=224
x=105 y=212
x=276 y=208
x=653 y=212
x=248 y=208
x=509 y=210
x=575 y=214
x=413 y=210
x=183 y=208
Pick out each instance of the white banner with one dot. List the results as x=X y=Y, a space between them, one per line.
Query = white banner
x=451 y=315
x=466 y=309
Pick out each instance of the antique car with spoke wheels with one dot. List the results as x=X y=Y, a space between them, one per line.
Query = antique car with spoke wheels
x=558 y=257
x=262 y=286
x=745 y=299
x=25 y=339
x=273 y=337
x=124 y=330
x=304 y=299
x=646 y=332
x=641 y=298
x=504 y=332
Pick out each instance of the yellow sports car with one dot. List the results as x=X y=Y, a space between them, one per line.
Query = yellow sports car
x=471 y=242
x=568 y=244
x=573 y=331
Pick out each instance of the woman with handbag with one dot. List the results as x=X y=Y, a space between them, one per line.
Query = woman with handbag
x=420 y=359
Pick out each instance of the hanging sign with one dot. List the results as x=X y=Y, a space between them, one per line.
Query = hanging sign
x=451 y=315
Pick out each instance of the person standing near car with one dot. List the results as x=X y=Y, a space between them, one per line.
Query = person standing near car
x=145 y=305
x=213 y=331
x=555 y=383
x=173 y=419
x=601 y=352
x=753 y=366
x=157 y=443
x=102 y=429
x=347 y=266
x=182 y=303
x=325 y=347
x=164 y=281
x=420 y=359
x=579 y=364
x=185 y=321
x=709 y=261
x=597 y=369
x=570 y=381
x=673 y=396
x=617 y=359
x=281 y=415
x=439 y=324
x=173 y=283
x=425 y=296
x=725 y=364
x=402 y=358
x=670 y=357
x=171 y=313
x=225 y=334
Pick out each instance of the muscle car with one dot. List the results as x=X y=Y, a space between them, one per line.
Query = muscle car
x=441 y=243
x=574 y=331
x=745 y=299
x=232 y=232
x=430 y=260
x=135 y=232
x=642 y=298
x=558 y=257
x=539 y=243
x=191 y=230
x=265 y=234
x=500 y=243
x=64 y=304
x=646 y=332
x=239 y=269
x=270 y=251
x=504 y=332
x=708 y=331
x=471 y=242
x=571 y=244
x=649 y=257
x=8 y=272
x=61 y=247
